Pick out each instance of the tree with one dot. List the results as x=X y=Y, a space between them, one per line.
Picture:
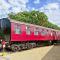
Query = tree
x=34 y=17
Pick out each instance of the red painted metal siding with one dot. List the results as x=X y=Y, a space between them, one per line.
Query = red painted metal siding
x=25 y=37
x=58 y=35
x=18 y=37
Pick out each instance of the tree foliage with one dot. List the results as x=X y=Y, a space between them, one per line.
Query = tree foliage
x=34 y=17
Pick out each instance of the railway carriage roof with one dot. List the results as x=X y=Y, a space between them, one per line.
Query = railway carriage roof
x=12 y=20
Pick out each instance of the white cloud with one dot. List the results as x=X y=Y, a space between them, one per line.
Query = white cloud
x=4 y=5
x=3 y=9
x=23 y=1
x=17 y=6
x=52 y=6
x=36 y=1
x=33 y=8
x=52 y=11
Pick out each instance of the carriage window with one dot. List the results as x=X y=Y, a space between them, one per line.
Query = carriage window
x=28 y=30
x=44 y=32
x=40 y=30
x=36 y=31
x=17 y=29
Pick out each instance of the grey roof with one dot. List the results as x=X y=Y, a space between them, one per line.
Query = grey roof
x=15 y=21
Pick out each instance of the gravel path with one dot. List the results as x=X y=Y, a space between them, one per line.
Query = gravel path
x=41 y=53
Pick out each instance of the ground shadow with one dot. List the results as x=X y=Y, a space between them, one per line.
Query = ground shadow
x=53 y=54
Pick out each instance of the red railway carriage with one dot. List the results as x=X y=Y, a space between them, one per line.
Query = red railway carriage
x=20 y=35
x=29 y=32
x=30 y=35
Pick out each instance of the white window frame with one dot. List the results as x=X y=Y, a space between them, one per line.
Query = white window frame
x=28 y=32
x=17 y=29
x=44 y=32
x=36 y=32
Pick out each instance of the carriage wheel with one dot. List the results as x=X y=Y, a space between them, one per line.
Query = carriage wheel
x=15 y=48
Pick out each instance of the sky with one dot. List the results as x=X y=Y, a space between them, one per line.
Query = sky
x=50 y=7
